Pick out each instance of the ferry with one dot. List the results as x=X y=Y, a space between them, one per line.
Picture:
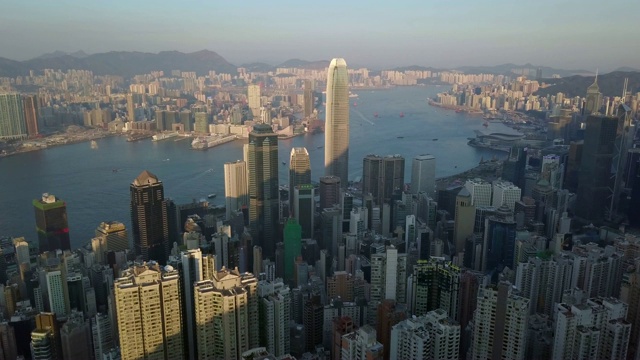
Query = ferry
x=211 y=141
x=163 y=136
x=212 y=195
x=352 y=95
x=94 y=144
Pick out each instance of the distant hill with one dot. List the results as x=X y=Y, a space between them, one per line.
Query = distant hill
x=78 y=54
x=610 y=84
x=526 y=69
x=258 y=67
x=124 y=63
x=304 y=64
x=415 y=68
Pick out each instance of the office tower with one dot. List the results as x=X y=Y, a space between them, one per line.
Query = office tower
x=593 y=98
x=500 y=324
x=336 y=150
x=423 y=174
x=253 y=98
x=257 y=260
x=299 y=169
x=111 y=236
x=388 y=276
x=75 y=336
x=31 y=111
x=308 y=98
x=312 y=319
x=410 y=232
x=12 y=119
x=505 y=193
x=185 y=120
x=592 y=330
x=543 y=281
x=192 y=271
x=480 y=191
x=101 y=334
x=595 y=174
x=51 y=223
x=235 y=187
x=431 y=336
x=292 y=247
x=329 y=191
x=149 y=312
x=304 y=206
x=161 y=120
x=8 y=345
x=263 y=187
x=382 y=177
x=435 y=284
x=513 y=168
x=149 y=218
x=275 y=314
x=499 y=240
x=201 y=124
x=227 y=320
x=131 y=108
x=361 y=345
x=45 y=338
x=464 y=219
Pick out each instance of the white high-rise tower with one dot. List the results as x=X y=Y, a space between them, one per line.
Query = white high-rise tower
x=336 y=150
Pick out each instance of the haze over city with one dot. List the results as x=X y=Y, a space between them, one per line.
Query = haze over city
x=565 y=34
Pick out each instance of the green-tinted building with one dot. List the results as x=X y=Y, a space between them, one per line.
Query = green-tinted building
x=51 y=223
x=12 y=120
x=292 y=247
x=202 y=123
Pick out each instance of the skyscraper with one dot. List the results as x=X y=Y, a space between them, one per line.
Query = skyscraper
x=308 y=98
x=149 y=218
x=593 y=98
x=299 y=170
x=505 y=193
x=275 y=314
x=423 y=174
x=264 y=198
x=595 y=172
x=329 y=191
x=464 y=219
x=131 y=108
x=431 y=336
x=336 y=150
x=292 y=247
x=30 y=103
x=480 y=191
x=110 y=236
x=235 y=186
x=51 y=223
x=304 y=206
x=149 y=312
x=253 y=98
x=382 y=176
x=12 y=120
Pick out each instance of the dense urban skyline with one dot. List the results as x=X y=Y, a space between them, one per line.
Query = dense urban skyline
x=434 y=34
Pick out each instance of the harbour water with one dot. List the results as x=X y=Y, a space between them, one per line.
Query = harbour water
x=95 y=182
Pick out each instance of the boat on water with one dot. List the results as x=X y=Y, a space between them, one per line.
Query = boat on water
x=319 y=147
x=163 y=136
x=400 y=137
x=375 y=115
x=355 y=103
x=94 y=144
x=211 y=141
x=434 y=139
x=401 y=114
x=212 y=195
x=485 y=124
x=352 y=95
x=284 y=163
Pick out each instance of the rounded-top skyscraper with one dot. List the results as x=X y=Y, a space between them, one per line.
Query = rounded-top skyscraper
x=336 y=150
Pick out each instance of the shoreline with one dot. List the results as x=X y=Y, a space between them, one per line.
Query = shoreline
x=29 y=149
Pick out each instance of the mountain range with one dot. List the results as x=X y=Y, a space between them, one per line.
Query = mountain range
x=610 y=84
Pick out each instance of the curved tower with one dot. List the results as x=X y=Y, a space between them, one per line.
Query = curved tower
x=336 y=150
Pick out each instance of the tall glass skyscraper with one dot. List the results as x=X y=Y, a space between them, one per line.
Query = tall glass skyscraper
x=149 y=219
x=336 y=150
x=262 y=156
x=299 y=171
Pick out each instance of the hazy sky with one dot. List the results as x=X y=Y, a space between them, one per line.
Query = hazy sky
x=561 y=33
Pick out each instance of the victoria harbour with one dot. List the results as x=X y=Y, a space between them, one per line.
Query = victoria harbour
x=85 y=177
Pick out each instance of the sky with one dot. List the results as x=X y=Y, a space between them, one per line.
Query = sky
x=569 y=34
